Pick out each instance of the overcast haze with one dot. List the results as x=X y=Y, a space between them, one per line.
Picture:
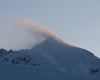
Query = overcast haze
x=75 y=21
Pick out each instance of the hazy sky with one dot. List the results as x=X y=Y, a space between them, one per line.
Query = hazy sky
x=76 y=21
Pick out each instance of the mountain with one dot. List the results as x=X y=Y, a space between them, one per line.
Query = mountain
x=54 y=56
x=66 y=57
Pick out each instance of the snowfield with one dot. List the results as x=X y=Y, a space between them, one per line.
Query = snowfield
x=52 y=59
x=20 y=72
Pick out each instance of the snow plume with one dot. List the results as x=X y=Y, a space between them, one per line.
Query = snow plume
x=34 y=29
x=19 y=33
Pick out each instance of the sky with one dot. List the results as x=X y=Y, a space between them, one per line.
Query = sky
x=74 y=21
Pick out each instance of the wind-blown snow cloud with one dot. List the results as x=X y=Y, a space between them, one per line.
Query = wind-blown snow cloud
x=33 y=28
x=22 y=33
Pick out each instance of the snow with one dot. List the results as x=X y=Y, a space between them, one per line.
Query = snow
x=20 y=72
x=53 y=59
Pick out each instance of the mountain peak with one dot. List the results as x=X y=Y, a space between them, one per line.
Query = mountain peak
x=53 y=40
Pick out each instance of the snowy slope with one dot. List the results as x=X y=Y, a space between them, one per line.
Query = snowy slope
x=53 y=58
x=20 y=72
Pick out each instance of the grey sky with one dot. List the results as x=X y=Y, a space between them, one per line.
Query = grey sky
x=76 y=21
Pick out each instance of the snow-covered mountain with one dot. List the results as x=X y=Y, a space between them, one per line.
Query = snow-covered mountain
x=67 y=58
x=54 y=55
